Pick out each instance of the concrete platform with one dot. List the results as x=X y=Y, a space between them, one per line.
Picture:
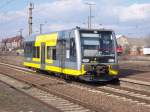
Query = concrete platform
x=13 y=101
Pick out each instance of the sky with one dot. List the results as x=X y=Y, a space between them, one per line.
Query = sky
x=125 y=17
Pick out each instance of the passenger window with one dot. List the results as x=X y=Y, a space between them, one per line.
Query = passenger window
x=28 y=49
x=36 y=52
x=51 y=53
x=54 y=54
x=72 y=47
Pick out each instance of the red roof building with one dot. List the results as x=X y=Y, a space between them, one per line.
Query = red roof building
x=12 y=43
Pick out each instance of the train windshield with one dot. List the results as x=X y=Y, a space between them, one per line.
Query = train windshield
x=97 y=44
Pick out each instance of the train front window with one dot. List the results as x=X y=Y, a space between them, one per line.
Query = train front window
x=97 y=44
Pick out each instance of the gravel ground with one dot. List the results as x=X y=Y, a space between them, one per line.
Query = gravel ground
x=13 y=101
x=15 y=60
x=138 y=70
x=100 y=101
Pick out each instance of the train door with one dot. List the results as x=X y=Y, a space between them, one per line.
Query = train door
x=67 y=50
x=42 y=55
x=61 y=51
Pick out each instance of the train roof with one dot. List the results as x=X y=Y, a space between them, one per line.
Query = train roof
x=33 y=37
x=101 y=29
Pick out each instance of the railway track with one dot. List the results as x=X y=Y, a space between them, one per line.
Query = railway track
x=123 y=94
x=53 y=101
x=135 y=84
x=74 y=106
x=118 y=92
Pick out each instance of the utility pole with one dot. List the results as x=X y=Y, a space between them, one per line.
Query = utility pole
x=88 y=22
x=30 y=18
x=90 y=15
x=41 y=25
x=20 y=31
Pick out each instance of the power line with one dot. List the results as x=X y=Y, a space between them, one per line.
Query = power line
x=41 y=27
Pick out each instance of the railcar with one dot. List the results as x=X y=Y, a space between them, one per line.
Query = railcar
x=88 y=54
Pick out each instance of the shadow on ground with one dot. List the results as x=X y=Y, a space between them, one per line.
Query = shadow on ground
x=129 y=72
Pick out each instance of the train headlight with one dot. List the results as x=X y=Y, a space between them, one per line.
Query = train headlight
x=85 y=60
x=111 y=60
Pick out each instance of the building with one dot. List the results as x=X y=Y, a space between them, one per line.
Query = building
x=132 y=46
x=12 y=43
x=122 y=40
x=124 y=43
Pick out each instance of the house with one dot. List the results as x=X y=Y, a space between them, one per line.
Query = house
x=132 y=46
x=122 y=40
x=12 y=43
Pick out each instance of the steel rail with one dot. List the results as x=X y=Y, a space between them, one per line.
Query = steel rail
x=111 y=91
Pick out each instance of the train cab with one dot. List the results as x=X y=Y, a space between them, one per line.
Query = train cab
x=98 y=54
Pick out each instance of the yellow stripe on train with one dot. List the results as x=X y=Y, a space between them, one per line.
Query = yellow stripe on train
x=65 y=70
x=31 y=64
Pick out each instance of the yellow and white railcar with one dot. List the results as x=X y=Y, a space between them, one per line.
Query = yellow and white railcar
x=89 y=54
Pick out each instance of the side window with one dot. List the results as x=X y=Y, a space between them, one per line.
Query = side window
x=36 y=52
x=68 y=41
x=72 y=45
x=28 y=49
x=51 y=53
x=67 y=45
x=54 y=53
